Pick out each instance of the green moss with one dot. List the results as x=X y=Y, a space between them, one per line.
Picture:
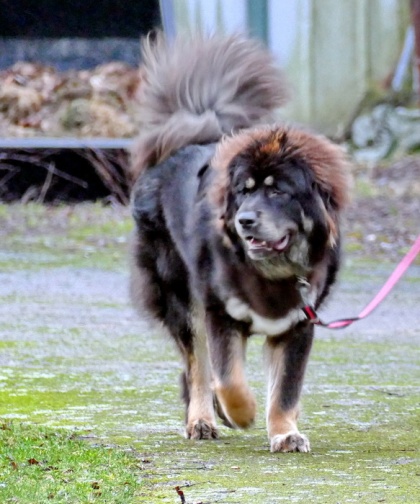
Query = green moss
x=7 y=344
x=345 y=466
x=358 y=412
x=353 y=247
x=365 y=188
x=34 y=236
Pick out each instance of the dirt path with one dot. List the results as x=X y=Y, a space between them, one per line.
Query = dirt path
x=73 y=354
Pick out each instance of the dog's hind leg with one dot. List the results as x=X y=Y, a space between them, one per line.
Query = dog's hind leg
x=227 y=347
x=159 y=287
x=287 y=358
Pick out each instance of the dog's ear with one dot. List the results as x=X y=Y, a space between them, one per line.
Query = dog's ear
x=207 y=181
x=224 y=207
x=202 y=178
x=329 y=164
x=330 y=212
x=229 y=209
x=202 y=171
x=331 y=170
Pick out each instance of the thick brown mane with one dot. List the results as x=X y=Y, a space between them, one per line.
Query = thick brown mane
x=327 y=160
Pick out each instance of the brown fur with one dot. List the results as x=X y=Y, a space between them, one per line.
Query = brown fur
x=233 y=393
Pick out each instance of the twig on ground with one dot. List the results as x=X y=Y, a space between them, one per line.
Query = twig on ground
x=181 y=494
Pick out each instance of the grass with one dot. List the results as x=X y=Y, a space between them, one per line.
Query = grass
x=38 y=465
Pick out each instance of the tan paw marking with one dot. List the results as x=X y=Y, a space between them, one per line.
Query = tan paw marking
x=290 y=442
x=201 y=429
x=238 y=406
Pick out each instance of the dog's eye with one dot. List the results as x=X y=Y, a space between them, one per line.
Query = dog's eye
x=244 y=191
x=275 y=192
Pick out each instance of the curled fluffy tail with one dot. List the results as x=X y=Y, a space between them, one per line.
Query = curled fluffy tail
x=196 y=89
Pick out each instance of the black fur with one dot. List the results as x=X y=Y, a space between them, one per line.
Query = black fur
x=185 y=261
x=227 y=229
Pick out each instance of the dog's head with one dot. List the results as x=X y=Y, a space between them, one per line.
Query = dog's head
x=282 y=192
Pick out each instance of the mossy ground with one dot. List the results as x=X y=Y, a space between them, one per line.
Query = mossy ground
x=73 y=355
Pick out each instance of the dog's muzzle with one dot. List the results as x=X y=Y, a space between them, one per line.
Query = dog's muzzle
x=261 y=241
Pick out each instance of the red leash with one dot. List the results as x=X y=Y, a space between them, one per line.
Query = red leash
x=386 y=289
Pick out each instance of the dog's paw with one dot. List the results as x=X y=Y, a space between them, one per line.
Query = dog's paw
x=221 y=414
x=290 y=442
x=243 y=416
x=237 y=406
x=201 y=429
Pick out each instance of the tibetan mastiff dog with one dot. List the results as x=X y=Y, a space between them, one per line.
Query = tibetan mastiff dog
x=237 y=227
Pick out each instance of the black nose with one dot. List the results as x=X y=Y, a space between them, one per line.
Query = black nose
x=247 y=219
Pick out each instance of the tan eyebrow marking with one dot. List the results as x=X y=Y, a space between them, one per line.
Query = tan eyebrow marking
x=250 y=183
x=269 y=181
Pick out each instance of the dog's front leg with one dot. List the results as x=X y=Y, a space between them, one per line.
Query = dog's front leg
x=287 y=358
x=227 y=349
x=198 y=394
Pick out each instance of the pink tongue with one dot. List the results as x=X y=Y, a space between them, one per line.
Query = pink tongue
x=281 y=244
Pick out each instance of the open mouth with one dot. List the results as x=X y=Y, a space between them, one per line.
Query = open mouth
x=280 y=245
